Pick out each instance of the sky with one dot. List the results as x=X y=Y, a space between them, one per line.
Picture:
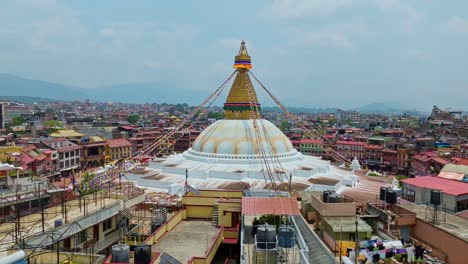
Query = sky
x=313 y=53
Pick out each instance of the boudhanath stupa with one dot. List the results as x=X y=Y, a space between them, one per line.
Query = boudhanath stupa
x=239 y=149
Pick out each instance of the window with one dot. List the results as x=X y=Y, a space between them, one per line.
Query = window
x=61 y=164
x=408 y=194
x=77 y=152
x=107 y=224
x=80 y=237
x=67 y=163
x=67 y=154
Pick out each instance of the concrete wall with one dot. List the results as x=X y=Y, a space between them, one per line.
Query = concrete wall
x=211 y=252
x=332 y=209
x=423 y=196
x=166 y=227
x=455 y=248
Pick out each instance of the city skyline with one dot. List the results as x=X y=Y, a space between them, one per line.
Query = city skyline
x=326 y=53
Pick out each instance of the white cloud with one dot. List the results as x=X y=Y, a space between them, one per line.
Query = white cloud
x=33 y=3
x=418 y=54
x=457 y=25
x=299 y=8
x=304 y=8
x=107 y=32
x=322 y=37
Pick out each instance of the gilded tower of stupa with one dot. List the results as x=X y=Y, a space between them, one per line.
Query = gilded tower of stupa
x=242 y=102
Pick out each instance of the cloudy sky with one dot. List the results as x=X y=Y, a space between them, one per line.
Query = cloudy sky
x=313 y=53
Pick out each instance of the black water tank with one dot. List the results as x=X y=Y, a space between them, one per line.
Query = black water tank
x=391 y=197
x=383 y=190
x=142 y=254
x=435 y=197
x=334 y=198
x=325 y=196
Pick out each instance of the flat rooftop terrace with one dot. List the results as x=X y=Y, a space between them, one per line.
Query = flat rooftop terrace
x=454 y=224
x=189 y=238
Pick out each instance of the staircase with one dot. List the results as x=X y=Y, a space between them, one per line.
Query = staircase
x=395 y=231
x=215 y=215
x=124 y=210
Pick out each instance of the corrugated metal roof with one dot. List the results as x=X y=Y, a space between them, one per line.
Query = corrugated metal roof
x=269 y=205
x=447 y=186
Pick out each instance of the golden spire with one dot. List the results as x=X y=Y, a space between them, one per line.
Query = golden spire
x=242 y=102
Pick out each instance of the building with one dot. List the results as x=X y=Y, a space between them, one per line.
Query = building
x=351 y=149
x=93 y=152
x=119 y=148
x=311 y=146
x=69 y=134
x=454 y=193
x=66 y=155
x=2 y=116
x=342 y=115
x=421 y=163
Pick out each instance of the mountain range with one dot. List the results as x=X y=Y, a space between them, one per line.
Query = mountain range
x=13 y=87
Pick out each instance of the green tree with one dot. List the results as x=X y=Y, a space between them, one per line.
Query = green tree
x=132 y=119
x=52 y=125
x=17 y=120
x=215 y=115
x=285 y=126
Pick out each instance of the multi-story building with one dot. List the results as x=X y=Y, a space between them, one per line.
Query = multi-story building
x=119 y=148
x=66 y=155
x=94 y=153
x=351 y=149
x=421 y=163
x=311 y=146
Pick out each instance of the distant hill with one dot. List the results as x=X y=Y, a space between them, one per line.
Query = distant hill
x=11 y=85
x=386 y=108
x=301 y=109
x=17 y=87
x=25 y=99
x=146 y=93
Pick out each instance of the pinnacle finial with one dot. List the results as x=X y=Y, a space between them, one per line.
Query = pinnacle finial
x=243 y=60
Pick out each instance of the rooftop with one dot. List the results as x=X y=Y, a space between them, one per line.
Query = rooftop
x=187 y=239
x=447 y=186
x=269 y=205
x=454 y=224
x=118 y=143
x=66 y=133
x=347 y=224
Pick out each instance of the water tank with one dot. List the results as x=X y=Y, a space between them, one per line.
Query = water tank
x=325 y=196
x=435 y=197
x=286 y=238
x=120 y=253
x=266 y=236
x=391 y=197
x=383 y=192
x=58 y=222
x=334 y=198
x=142 y=254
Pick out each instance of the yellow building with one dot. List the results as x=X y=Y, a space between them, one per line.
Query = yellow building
x=118 y=149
